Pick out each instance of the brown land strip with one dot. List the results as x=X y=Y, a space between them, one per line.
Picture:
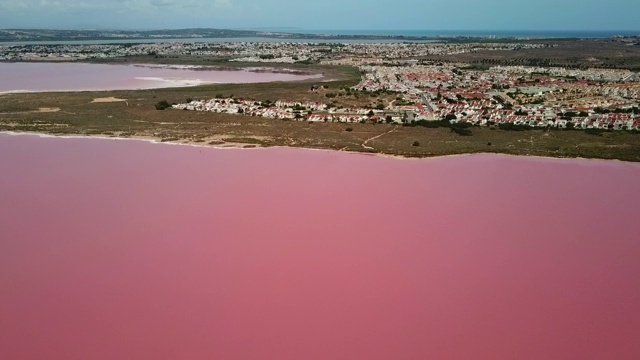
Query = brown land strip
x=79 y=116
x=587 y=53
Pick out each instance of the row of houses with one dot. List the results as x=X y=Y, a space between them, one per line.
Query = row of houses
x=292 y=110
x=476 y=113
x=592 y=121
x=281 y=109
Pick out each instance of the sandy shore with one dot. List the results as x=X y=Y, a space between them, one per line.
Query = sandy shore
x=249 y=146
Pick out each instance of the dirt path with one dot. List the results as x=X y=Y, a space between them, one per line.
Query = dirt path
x=40 y=110
x=364 y=144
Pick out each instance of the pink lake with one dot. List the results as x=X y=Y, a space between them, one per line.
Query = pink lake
x=131 y=250
x=36 y=77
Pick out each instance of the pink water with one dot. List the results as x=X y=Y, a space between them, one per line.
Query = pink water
x=131 y=250
x=81 y=77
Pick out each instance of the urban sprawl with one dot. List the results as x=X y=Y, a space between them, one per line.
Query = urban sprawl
x=404 y=85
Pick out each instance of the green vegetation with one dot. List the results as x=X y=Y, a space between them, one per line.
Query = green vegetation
x=162 y=105
x=514 y=127
x=461 y=128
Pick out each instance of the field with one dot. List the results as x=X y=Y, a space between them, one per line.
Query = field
x=603 y=53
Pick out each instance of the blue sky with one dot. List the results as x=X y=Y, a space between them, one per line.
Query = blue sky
x=325 y=14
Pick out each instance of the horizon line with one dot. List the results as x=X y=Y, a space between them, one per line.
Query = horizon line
x=267 y=28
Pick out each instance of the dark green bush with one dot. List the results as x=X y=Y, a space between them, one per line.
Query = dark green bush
x=162 y=105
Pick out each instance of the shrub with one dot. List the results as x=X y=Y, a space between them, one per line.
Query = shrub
x=416 y=143
x=596 y=132
x=461 y=125
x=514 y=127
x=162 y=105
x=461 y=131
x=349 y=129
x=428 y=124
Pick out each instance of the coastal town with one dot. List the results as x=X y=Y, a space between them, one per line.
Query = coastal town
x=522 y=97
x=411 y=83
x=270 y=52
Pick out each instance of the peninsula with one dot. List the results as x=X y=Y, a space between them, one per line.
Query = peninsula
x=557 y=98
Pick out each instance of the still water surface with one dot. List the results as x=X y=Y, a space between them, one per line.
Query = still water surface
x=37 y=77
x=131 y=250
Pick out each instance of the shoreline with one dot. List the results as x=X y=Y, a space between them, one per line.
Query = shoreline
x=242 y=146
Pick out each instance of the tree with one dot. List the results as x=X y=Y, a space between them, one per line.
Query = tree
x=450 y=117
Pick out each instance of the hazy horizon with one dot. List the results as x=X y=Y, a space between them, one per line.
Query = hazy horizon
x=311 y=30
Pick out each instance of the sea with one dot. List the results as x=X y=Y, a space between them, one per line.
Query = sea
x=482 y=33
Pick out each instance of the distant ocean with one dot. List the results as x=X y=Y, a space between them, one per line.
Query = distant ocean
x=476 y=33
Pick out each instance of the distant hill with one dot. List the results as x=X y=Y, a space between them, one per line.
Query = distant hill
x=9 y=35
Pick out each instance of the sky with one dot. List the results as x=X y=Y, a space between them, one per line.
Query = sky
x=323 y=14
